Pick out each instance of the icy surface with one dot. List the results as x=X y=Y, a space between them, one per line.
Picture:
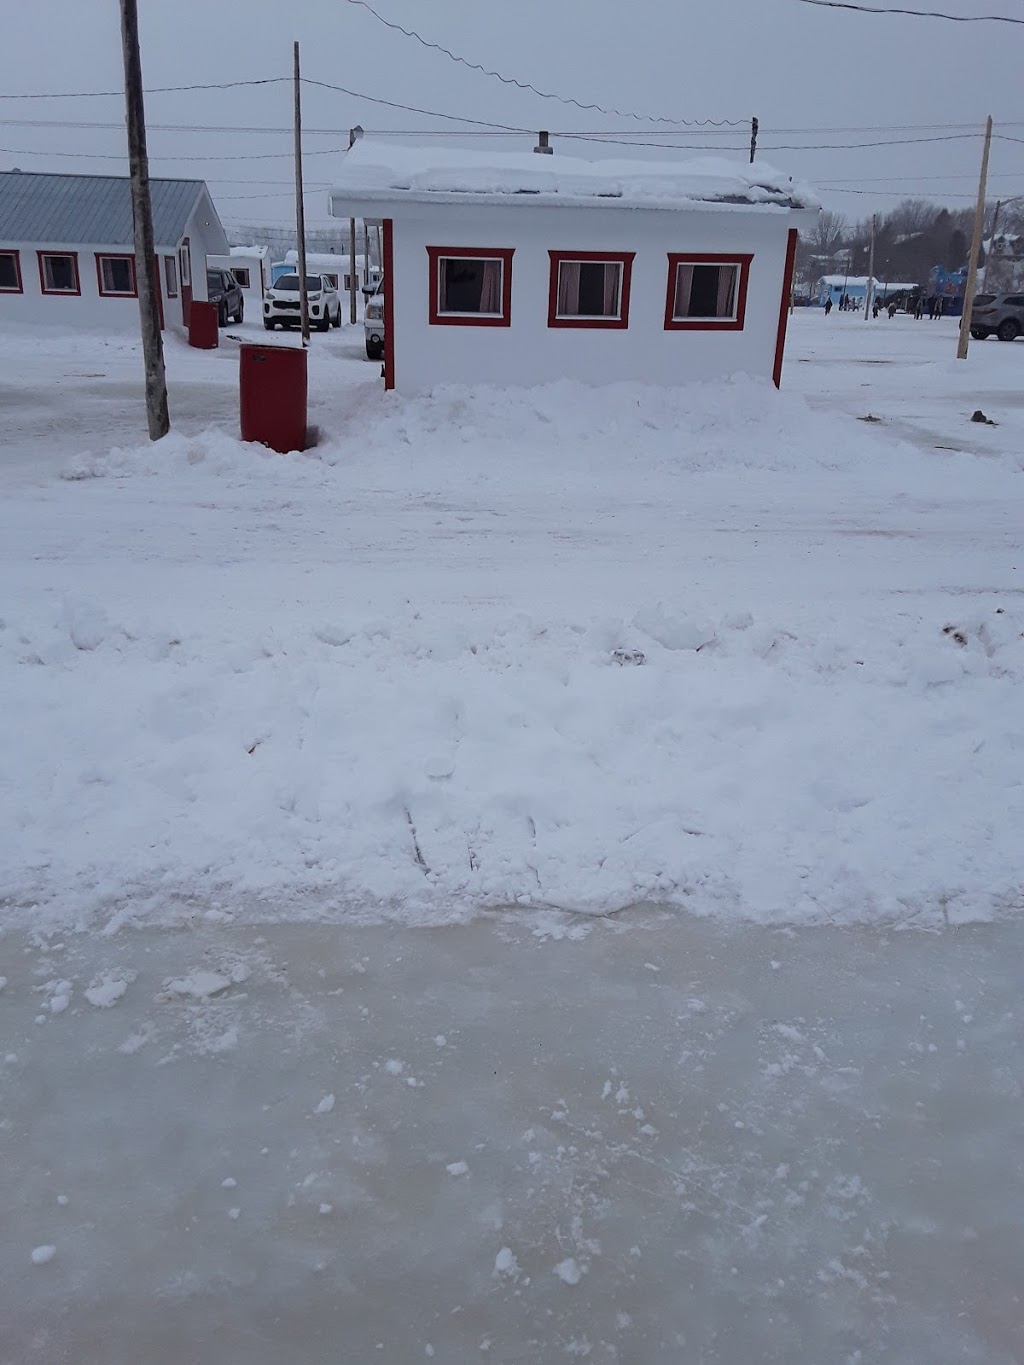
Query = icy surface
x=826 y=1167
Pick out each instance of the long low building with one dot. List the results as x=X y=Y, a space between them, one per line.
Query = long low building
x=67 y=249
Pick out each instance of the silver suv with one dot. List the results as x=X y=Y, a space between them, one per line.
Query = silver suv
x=1002 y=314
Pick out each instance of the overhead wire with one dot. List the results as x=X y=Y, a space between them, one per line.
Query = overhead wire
x=913 y=13
x=528 y=85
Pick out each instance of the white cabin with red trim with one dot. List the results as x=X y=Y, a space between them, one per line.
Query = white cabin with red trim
x=519 y=269
x=67 y=249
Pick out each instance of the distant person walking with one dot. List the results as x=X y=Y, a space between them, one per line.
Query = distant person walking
x=940 y=306
x=892 y=311
x=874 y=308
x=931 y=307
x=828 y=305
x=919 y=308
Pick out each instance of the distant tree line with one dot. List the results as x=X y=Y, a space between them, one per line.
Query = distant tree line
x=909 y=241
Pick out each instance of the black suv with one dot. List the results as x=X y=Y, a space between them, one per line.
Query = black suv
x=224 y=290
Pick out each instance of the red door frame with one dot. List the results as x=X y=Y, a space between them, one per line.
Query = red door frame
x=787 y=294
x=389 y=304
x=157 y=266
x=185 y=289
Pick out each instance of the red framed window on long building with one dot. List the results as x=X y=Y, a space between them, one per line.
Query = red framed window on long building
x=10 y=273
x=707 y=292
x=58 y=272
x=470 y=286
x=115 y=275
x=589 y=288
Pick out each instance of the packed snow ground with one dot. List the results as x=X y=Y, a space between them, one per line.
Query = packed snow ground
x=712 y=647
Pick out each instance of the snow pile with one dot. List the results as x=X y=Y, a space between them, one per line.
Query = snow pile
x=422 y=767
x=561 y=647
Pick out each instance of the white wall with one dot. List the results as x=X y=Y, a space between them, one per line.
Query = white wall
x=89 y=310
x=253 y=293
x=529 y=352
x=206 y=238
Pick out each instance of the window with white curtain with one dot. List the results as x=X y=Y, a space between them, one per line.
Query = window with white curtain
x=589 y=289
x=707 y=292
x=470 y=287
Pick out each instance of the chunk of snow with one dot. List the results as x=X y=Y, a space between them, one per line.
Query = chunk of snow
x=394 y=1067
x=457 y=1168
x=325 y=1209
x=107 y=992
x=229 y=1183
x=43 y=1255
x=505 y=1262
x=326 y=1105
x=568 y=1271
x=199 y=985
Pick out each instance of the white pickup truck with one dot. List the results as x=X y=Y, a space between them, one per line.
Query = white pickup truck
x=373 y=324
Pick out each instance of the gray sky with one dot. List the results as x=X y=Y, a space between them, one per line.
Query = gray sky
x=795 y=66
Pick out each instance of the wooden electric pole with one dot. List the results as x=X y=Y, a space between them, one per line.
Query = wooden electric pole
x=755 y=128
x=972 y=266
x=870 y=290
x=157 y=414
x=300 y=208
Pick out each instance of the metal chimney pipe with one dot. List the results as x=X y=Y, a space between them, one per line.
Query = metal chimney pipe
x=543 y=145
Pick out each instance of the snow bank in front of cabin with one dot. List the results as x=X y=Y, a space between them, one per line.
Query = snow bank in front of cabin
x=760 y=762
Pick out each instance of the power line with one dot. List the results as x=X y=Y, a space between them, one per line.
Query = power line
x=412 y=109
x=914 y=13
x=154 y=90
x=544 y=94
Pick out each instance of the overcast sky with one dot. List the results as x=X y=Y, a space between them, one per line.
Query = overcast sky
x=795 y=66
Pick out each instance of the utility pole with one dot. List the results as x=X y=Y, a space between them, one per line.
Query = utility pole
x=755 y=125
x=991 y=244
x=353 y=137
x=300 y=207
x=869 y=292
x=157 y=414
x=972 y=267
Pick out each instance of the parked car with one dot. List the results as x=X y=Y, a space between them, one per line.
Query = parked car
x=281 y=303
x=1002 y=314
x=373 y=324
x=224 y=290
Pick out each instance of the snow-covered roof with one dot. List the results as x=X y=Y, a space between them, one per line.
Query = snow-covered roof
x=379 y=172
x=262 y=252
x=331 y=261
x=861 y=282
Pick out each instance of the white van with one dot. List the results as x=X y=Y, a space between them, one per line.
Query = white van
x=373 y=324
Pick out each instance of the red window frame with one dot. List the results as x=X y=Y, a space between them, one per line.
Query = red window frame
x=169 y=278
x=18 y=288
x=474 y=253
x=621 y=258
x=676 y=259
x=102 y=256
x=59 y=293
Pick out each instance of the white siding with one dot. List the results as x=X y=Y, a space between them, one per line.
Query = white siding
x=89 y=310
x=529 y=352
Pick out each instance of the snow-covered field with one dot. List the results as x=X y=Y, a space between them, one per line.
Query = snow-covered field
x=340 y=742
x=401 y=676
